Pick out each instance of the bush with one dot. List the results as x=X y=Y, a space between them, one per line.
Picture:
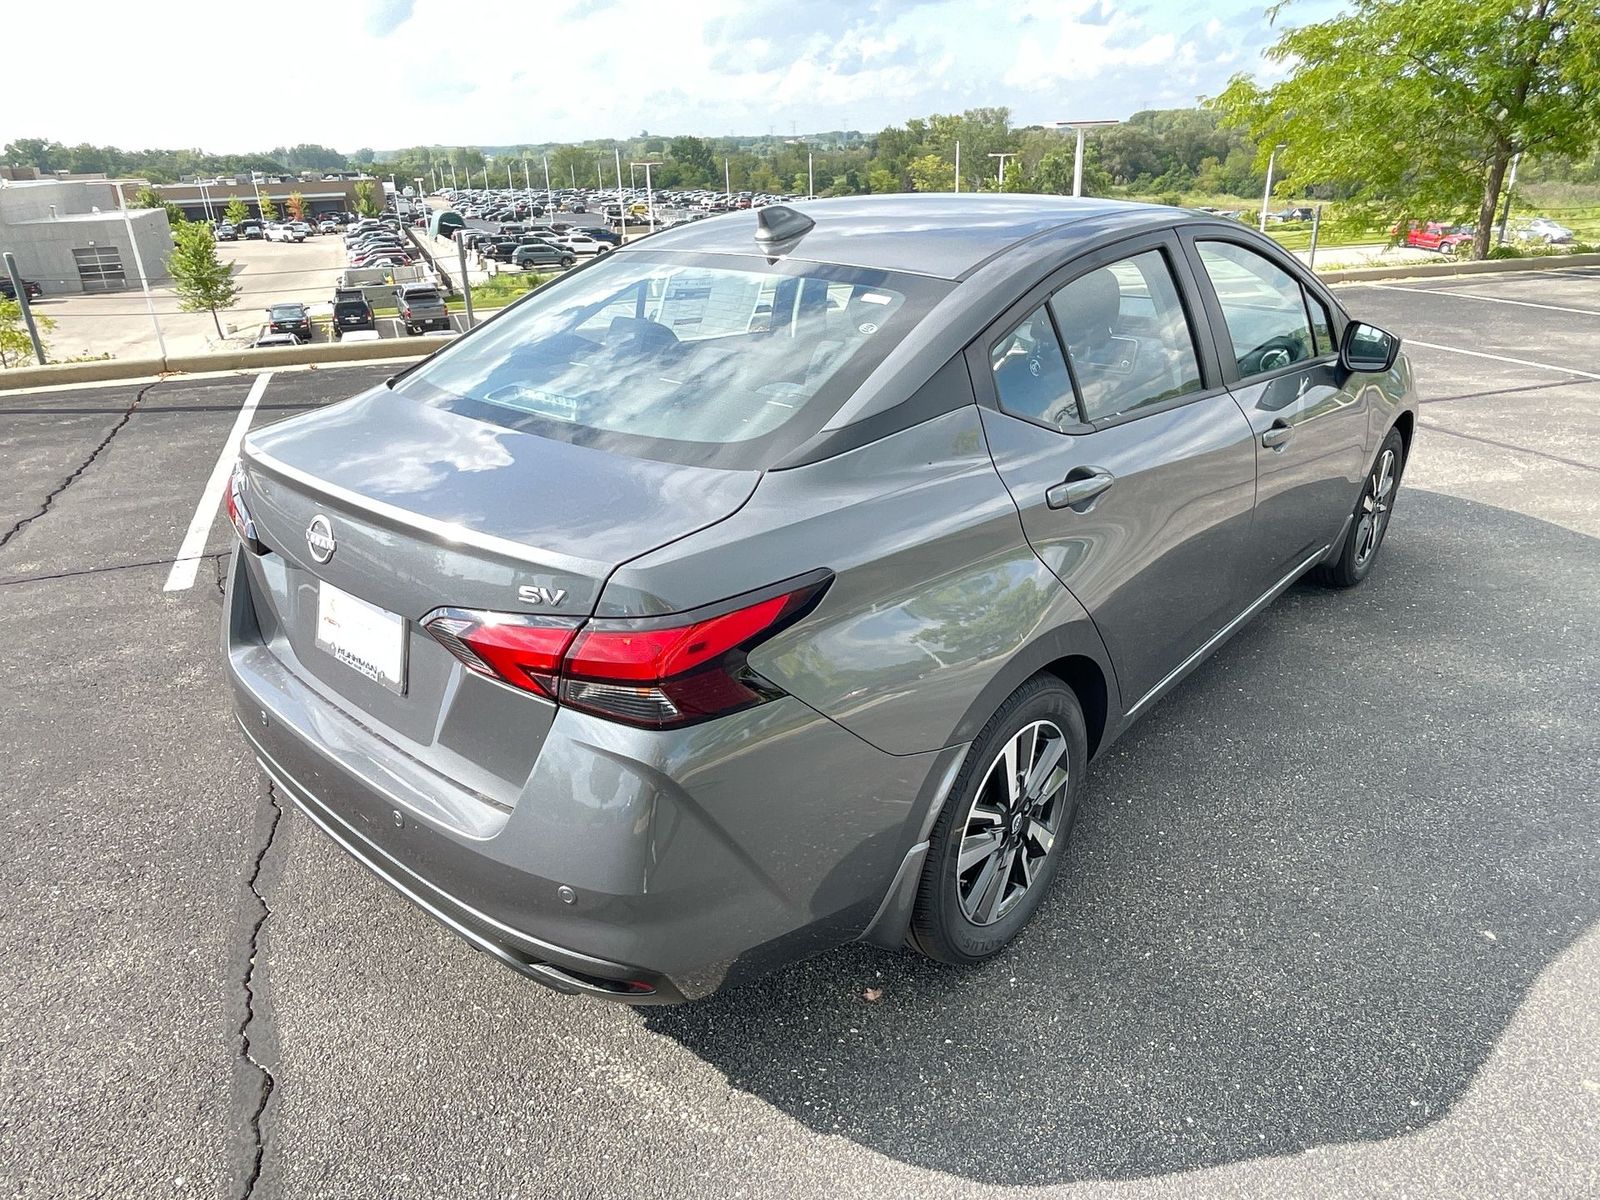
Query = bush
x=1507 y=252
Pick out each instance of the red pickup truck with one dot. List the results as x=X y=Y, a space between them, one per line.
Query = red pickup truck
x=1435 y=235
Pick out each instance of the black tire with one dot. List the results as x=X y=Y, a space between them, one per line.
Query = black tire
x=950 y=923
x=1356 y=555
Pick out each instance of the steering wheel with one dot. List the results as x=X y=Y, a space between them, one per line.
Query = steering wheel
x=1271 y=355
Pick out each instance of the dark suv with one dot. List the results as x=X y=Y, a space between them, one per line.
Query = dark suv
x=292 y=318
x=351 y=312
x=542 y=254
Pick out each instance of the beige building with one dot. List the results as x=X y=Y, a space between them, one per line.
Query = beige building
x=206 y=201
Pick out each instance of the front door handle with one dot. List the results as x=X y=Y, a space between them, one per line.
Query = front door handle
x=1072 y=492
x=1278 y=435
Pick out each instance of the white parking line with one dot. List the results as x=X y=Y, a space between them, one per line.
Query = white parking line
x=187 y=564
x=1521 y=362
x=1390 y=287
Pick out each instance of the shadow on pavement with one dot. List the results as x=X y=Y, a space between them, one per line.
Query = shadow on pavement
x=1304 y=899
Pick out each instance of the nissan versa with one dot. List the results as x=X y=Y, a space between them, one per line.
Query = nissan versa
x=770 y=582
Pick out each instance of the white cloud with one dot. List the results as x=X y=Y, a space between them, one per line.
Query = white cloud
x=392 y=73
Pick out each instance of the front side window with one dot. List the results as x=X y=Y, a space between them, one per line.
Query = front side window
x=1263 y=306
x=1127 y=336
x=701 y=359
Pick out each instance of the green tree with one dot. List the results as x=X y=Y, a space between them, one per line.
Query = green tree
x=148 y=197
x=235 y=212
x=14 y=340
x=269 y=210
x=203 y=282
x=1420 y=105
x=930 y=173
x=367 y=198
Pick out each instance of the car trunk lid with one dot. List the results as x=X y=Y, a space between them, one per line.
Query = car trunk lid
x=417 y=509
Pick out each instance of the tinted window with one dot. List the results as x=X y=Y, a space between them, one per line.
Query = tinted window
x=703 y=359
x=1127 y=336
x=1030 y=373
x=1263 y=306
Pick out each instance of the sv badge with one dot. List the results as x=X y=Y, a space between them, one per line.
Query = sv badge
x=550 y=597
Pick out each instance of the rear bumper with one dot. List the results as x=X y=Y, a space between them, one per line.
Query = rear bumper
x=556 y=967
x=631 y=865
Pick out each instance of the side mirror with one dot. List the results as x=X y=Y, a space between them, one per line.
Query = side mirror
x=1367 y=349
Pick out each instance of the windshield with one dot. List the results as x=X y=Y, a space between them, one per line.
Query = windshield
x=712 y=359
x=282 y=312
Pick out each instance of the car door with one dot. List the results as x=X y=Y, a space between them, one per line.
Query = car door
x=1276 y=339
x=1130 y=464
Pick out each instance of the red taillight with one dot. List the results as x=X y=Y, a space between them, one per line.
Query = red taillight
x=233 y=501
x=656 y=673
x=523 y=651
x=408 y=312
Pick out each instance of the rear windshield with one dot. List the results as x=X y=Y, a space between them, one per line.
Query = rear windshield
x=282 y=311
x=721 y=360
x=421 y=294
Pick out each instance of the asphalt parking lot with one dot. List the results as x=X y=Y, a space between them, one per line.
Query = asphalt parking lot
x=1327 y=927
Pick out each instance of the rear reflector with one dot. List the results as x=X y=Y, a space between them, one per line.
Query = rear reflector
x=659 y=673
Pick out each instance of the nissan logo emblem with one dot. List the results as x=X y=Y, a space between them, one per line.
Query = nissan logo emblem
x=319 y=538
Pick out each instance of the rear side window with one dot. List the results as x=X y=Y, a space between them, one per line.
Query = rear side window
x=1263 y=305
x=1030 y=373
x=1127 y=336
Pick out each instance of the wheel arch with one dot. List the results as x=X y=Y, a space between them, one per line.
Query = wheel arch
x=1087 y=680
x=1406 y=423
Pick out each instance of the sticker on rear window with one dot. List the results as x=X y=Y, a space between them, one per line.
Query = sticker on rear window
x=875 y=298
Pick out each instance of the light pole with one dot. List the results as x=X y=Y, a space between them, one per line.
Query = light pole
x=727 y=182
x=1002 y=157
x=1266 y=196
x=1082 y=128
x=527 y=186
x=547 y=197
x=958 y=165
x=452 y=177
x=1505 y=213
x=138 y=262
x=649 y=191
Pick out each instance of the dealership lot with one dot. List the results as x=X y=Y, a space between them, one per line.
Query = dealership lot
x=1327 y=927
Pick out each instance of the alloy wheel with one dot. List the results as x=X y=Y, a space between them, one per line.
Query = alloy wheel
x=1373 y=515
x=1013 y=822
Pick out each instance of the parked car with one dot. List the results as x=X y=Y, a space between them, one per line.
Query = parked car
x=541 y=254
x=227 y=233
x=251 y=230
x=327 y=225
x=1541 y=229
x=580 y=243
x=266 y=340
x=292 y=318
x=351 y=313
x=649 y=651
x=1436 y=235
x=8 y=290
x=278 y=231
x=303 y=227
x=421 y=307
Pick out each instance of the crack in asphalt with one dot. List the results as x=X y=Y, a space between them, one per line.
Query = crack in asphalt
x=11 y=581
x=267 y=1079
x=49 y=501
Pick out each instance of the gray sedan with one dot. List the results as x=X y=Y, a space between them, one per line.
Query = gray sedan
x=771 y=582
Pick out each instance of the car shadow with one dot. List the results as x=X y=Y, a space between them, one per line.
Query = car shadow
x=1304 y=897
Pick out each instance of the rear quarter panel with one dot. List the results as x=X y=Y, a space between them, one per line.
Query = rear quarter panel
x=937 y=600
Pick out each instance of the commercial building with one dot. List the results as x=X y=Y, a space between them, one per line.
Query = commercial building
x=207 y=200
x=70 y=235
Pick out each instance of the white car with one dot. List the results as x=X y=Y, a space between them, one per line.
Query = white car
x=303 y=227
x=580 y=243
x=277 y=231
x=268 y=340
x=1541 y=229
x=327 y=225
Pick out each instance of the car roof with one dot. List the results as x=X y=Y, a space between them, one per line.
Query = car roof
x=947 y=235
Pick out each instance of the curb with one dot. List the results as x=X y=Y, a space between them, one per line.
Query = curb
x=102 y=370
x=1493 y=266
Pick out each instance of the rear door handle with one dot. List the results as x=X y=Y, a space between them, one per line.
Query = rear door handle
x=1278 y=435
x=1070 y=493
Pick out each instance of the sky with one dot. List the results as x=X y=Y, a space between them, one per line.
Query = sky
x=392 y=73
